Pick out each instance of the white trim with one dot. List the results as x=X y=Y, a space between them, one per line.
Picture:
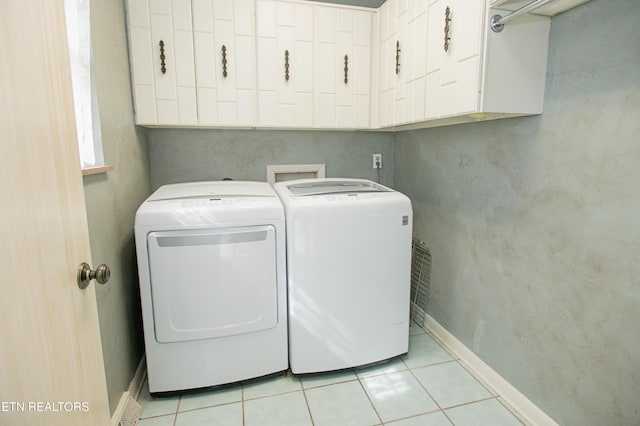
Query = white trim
x=272 y=171
x=138 y=379
x=526 y=409
x=134 y=390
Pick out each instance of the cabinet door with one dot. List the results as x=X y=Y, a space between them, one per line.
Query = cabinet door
x=359 y=69
x=415 y=61
x=224 y=39
x=404 y=51
x=353 y=77
x=342 y=63
x=285 y=64
x=453 y=76
x=325 y=65
x=387 y=60
x=162 y=57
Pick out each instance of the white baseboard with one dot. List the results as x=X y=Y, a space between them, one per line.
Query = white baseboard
x=138 y=379
x=134 y=391
x=526 y=409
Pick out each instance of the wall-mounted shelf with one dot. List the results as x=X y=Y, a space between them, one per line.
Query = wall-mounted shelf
x=551 y=9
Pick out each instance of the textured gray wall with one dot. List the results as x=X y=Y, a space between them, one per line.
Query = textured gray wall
x=179 y=155
x=534 y=225
x=112 y=199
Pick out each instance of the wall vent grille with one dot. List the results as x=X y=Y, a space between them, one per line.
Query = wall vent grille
x=420 y=279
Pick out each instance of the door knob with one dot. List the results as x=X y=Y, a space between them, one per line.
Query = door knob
x=85 y=274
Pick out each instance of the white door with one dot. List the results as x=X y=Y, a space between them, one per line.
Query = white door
x=52 y=370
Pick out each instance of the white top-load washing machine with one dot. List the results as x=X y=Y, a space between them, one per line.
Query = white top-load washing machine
x=349 y=266
x=212 y=268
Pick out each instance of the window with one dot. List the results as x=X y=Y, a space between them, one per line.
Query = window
x=83 y=82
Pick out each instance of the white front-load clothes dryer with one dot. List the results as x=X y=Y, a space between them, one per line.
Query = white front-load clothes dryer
x=349 y=267
x=212 y=269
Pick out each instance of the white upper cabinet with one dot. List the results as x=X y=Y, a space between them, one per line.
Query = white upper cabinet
x=285 y=64
x=162 y=56
x=225 y=47
x=311 y=65
x=474 y=73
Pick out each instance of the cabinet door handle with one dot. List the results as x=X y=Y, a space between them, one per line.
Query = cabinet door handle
x=447 y=28
x=346 y=69
x=224 y=61
x=286 y=65
x=397 y=57
x=163 y=64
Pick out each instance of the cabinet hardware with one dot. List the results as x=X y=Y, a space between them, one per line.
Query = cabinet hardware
x=224 y=61
x=346 y=69
x=397 y=57
x=447 y=28
x=163 y=65
x=286 y=65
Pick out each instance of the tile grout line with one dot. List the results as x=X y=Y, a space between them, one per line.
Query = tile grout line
x=457 y=360
x=306 y=400
x=270 y=395
x=369 y=399
x=449 y=361
x=512 y=411
x=242 y=402
x=462 y=404
x=415 y=416
x=485 y=386
x=462 y=363
x=204 y=407
x=444 y=347
x=427 y=391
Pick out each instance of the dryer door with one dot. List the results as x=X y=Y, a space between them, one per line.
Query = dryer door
x=213 y=283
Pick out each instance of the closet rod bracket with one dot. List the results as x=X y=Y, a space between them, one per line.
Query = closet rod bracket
x=497 y=22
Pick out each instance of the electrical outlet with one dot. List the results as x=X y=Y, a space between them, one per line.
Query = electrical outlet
x=377 y=161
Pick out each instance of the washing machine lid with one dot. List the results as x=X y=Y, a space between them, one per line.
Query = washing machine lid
x=209 y=203
x=334 y=186
x=216 y=189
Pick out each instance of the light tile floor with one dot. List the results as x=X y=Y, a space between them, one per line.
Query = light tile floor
x=426 y=387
